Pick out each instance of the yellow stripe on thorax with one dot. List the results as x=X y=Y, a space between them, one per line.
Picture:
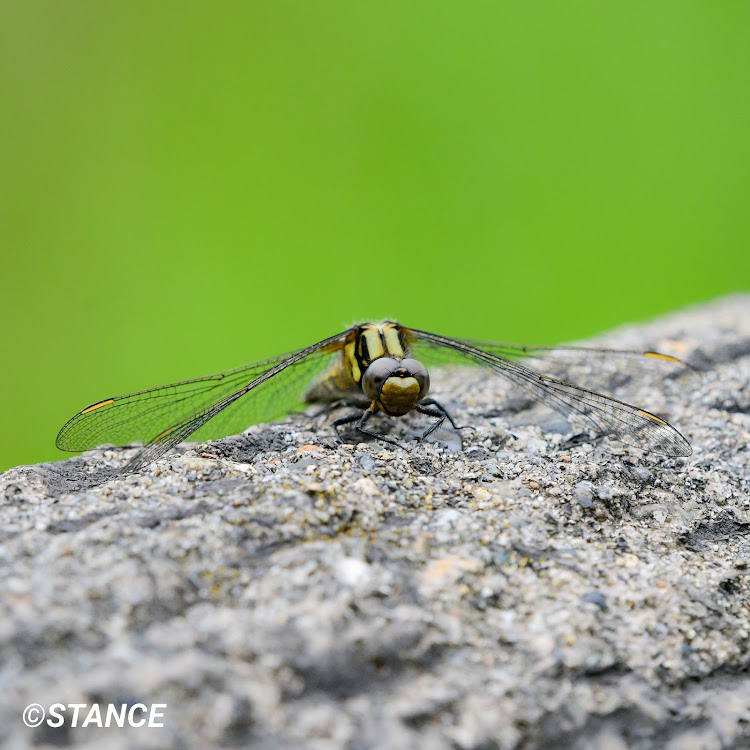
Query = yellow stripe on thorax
x=392 y=340
x=375 y=349
x=351 y=359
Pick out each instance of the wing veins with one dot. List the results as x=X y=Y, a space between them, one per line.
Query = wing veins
x=79 y=432
x=607 y=414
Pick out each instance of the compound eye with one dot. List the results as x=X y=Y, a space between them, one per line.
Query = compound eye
x=418 y=371
x=376 y=374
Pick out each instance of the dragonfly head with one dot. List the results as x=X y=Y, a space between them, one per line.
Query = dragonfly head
x=396 y=385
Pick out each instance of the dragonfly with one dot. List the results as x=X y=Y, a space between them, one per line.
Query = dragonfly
x=375 y=367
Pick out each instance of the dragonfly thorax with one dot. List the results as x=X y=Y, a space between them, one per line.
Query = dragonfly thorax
x=396 y=386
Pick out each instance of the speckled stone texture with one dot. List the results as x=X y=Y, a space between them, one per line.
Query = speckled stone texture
x=533 y=588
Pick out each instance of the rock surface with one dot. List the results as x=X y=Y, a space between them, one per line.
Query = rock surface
x=531 y=589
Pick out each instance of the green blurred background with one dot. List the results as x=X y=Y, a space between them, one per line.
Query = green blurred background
x=187 y=186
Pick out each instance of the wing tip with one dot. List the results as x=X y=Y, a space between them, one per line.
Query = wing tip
x=62 y=441
x=685 y=450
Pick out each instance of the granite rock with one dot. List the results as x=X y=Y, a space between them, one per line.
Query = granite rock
x=532 y=587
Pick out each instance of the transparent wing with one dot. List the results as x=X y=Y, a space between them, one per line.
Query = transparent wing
x=594 y=367
x=567 y=354
x=231 y=401
x=605 y=414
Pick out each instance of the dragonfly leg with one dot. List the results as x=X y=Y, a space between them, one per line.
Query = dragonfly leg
x=441 y=416
x=361 y=428
x=443 y=412
x=361 y=420
x=346 y=420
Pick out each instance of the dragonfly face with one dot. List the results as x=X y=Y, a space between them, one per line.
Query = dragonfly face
x=396 y=387
x=378 y=367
